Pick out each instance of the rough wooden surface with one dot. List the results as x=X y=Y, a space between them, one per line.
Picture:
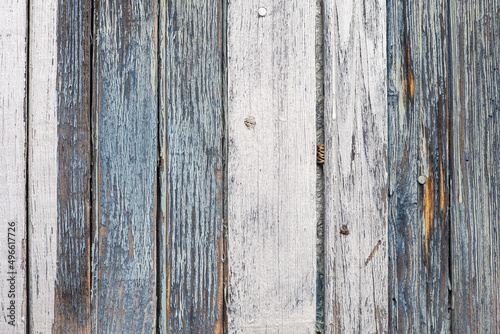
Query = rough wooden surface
x=192 y=171
x=125 y=125
x=271 y=167
x=13 y=113
x=475 y=166
x=42 y=165
x=72 y=286
x=320 y=175
x=418 y=164
x=355 y=167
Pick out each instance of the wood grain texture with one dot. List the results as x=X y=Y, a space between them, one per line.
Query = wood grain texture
x=125 y=125
x=475 y=214
x=192 y=170
x=419 y=166
x=320 y=174
x=356 y=167
x=271 y=167
x=72 y=286
x=42 y=165
x=13 y=113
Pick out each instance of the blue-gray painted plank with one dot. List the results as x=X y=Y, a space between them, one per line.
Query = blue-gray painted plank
x=475 y=215
x=192 y=169
x=418 y=166
x=125 y=160
x=72 y=286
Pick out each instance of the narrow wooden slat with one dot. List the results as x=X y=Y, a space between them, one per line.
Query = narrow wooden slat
x=72 y=287
x=271 y=167
x=192 y=203
x=59 y=167
x=320 y=174
x=42 y=165
x=13 y=60
x=125 y=124
x=355 y=167
x=475 y=46
x=418 y=165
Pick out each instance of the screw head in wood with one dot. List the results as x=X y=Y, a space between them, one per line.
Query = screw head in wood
x=262 y=11
x=422 y=179
x=344 y=230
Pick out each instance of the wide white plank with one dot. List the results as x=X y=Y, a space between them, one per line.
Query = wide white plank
x=13 y=57
x=271 y=167
x=356 y=279
x=42 y=164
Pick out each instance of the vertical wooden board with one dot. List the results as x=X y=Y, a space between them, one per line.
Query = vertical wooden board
x=125 y=124
x=474 y=28
x=418 y=165
x=428 y=56
x=42 y=165
x=13 y=60
x=59 y=167
x=271 y=167
x=355 y=167
x=72 y=286
x=191 y=251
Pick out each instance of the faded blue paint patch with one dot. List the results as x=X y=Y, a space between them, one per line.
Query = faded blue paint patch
x=191 y=245
x=72 y=293
x=126 y=130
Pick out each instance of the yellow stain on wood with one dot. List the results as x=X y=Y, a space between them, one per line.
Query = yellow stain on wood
x=411 y=83
x=408 y=81
x=167 y=302
x=219 y=326
x=429 y=207
x=441 y=187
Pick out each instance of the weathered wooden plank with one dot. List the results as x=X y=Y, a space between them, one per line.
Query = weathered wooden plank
x=59 y=167
x=72 y=286
x=125 y=123
x=475 y=46
x=355 y=167
x=13 y=61
x=42 y=165
x=418 y=166
x=192 y=171
x=271 y=167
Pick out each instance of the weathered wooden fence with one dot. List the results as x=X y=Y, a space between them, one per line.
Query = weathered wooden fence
x=158 y=168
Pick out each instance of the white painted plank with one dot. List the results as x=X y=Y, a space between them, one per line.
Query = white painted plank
x=42 y=164
x=356 y=167
x=271 y=167
x=13 y=57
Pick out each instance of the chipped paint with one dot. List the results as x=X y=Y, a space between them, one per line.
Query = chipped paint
x=429 y=209
x=475 y=196
x=125 y=161
x=272 y=167
x=192 y=184
x=356 y=138
x=418 y=51
x=13 y=154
